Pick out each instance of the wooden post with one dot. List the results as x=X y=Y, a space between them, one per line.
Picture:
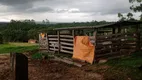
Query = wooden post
x=19 y=66
x=113 y=31
x=119 y=29
x=119 y=41
x=73 y=33
x=138 y=38
x=47 y=42
x=58 y=33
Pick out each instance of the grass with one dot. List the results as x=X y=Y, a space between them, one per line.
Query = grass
x=125 y=68
x=17 y=47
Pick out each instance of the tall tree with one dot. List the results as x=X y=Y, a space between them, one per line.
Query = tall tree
x=138 y=7
x=121 y=17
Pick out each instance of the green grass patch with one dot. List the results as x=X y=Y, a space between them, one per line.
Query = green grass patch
x=125 y=67
x=37 y=56
x=17 y=47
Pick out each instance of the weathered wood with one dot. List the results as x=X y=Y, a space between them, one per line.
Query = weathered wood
x=53 y=49
x=65 y=51
x=53 y=42
x=59 y=47
x=116 y=35
x=66 y=36
x=52 y=36
x=52 y=39
x=65 y=43
x=68 y=40
x=20 y=66
x=106 y=54
x=69 y=62
x=47 y=42
x=138 y=46
x=105 y=50
x=64 y=47
x=53 y=45
x=128 y=47
x=73 y=33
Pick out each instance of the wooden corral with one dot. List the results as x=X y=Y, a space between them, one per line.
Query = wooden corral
x=112 y=40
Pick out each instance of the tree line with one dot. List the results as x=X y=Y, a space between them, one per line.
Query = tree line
x=22 y=31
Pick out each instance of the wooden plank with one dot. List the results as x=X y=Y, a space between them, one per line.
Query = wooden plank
x=128 y=47
x=59 y=47
x=66 y=36
x=65 y=51
x=64 y=47
x=129 y=41
x=47 y=42
x=92 y=37
x=105 y=50
x=108 y=36
x=126 y=44
x=19 y=66
x=53 y=45
x=106 y=54
x=52 y=39
x=52 y=36
x=69 y=44
x=138 y=47
x=53 y=42
x=69 y=62
x=69 y=40
x=116 y=35
x=53 y=49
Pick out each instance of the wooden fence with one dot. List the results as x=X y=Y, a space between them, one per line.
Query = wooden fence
x=112 y=45
x=111 y=41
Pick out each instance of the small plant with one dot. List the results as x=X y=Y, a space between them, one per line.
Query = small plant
x=37 y=56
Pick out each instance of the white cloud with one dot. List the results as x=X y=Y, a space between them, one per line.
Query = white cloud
x=63 y=10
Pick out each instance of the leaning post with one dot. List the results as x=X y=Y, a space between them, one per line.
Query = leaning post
x=19 y=66
x=59 y=47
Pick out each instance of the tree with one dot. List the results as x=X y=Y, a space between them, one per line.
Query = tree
x=121 y=17
x=136 y=8
x=129 y=15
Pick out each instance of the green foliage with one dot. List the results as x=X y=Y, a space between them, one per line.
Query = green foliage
x=37 y=56
x=1 y=39
x=136 y=8
x=128 y=17
x=22 y=31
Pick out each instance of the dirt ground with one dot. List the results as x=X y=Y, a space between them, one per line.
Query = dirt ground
x=52 y=70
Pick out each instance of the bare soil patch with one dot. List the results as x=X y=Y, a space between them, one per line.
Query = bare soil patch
x=51 y=70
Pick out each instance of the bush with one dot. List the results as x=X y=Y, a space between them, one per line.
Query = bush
x=1 y=39
x=37 y=56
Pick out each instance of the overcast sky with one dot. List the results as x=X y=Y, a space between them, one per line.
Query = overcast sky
x=63 y=10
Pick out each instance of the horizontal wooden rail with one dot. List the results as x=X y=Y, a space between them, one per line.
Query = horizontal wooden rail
x=52 y=35
x=64 y=47
x=65 y=51
x=52 y=39
x=69 y=40
x=53 y=49
x=98 y=51
x=106 y=54
x=64 y=43
x=53 y=42
x=53 y=45
x=66 y=36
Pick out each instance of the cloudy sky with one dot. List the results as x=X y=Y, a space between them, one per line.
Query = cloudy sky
x=63 y=10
